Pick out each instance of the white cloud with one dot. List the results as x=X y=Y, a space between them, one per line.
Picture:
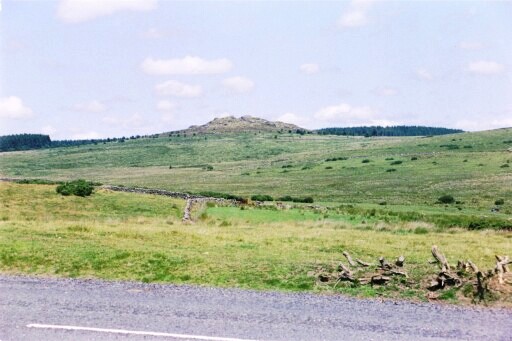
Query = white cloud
x=423 y=74
x=385 y=91
x=347 y=115
x=13 y=107
x=178 y=89
x=470 y=45
x=238 y=84
x=484 y=67
x=77 y=11
x=165 y=105
x=167 y=117
x=153 y=33
x=309 y=68
x=186 y=66
x=135 y=120
x=93 y=106
x=90 y=135
x=343 y=111
x=479 y=125
x=290 y=117
x=356 y=15
x=48 y=130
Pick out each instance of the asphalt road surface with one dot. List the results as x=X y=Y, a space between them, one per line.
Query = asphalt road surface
x=69 y=309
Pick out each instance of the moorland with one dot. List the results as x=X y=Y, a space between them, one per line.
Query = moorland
x=375 y=196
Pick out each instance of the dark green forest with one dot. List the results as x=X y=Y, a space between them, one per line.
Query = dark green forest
x=16 y=142
x=388 y=131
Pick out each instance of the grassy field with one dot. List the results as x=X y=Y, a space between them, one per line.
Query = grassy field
x=476 y=168
x=377 y=198
x=114 y=235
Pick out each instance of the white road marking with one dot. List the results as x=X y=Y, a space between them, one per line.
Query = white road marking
x=136 y=332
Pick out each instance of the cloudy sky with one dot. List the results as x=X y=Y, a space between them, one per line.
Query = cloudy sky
x=98 y=68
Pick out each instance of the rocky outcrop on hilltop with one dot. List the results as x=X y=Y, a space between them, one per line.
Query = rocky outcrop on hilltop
x=232 y=124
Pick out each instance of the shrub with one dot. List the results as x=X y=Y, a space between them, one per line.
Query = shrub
x=389 y=159
x=340 y=158
x=307 y=200
x=222 y=196
x=450 y=146
x=285 y=198
x=208 y=167
x=391 y=170
x=365 y=161
x=446 y=199
x=397 y=162
x=79 y=188
x=504 y=165
x=499 y=202
x=328 y=167
x=414 y=158
x=262 y=197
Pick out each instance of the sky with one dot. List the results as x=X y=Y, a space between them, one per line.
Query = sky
x=79 y=69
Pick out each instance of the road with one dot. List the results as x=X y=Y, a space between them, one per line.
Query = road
x=71 y=309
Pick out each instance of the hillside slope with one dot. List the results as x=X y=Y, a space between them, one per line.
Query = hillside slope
x=476 y=168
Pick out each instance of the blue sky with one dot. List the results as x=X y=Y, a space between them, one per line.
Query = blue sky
x=88 y=68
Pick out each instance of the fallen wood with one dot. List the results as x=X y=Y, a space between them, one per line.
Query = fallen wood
x=379 y=279
x=396 y=272
x=362 y=263
x=466 y=266
x=400 y=261
x=384 y=264
x=349 y=259
x=345 y=275
x=441 y=259
x=472 y=265
x=343 y=268
x=501 y=267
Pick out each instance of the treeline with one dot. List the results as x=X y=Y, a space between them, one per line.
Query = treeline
x=388 y=131
x=17 y=142
x=24 y=142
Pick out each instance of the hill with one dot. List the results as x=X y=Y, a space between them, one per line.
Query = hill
x=242 y=124
x=475 y=168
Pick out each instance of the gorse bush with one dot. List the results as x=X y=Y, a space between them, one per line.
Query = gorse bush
x=397 y=162
x=446 y=199
x=307 y=200
x=79 y=188
x=499 y=202
x=262 y=197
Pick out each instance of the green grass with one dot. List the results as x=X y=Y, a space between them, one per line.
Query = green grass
x=387 y=206
x=124 y=236
x=249 y=164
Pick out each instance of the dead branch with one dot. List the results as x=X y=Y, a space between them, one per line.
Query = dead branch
x=396 y=272
x=349 y=259
x=362 y=263
x=441 y=259
x=384 y=264
x=501 y=267
x=379 y=279
x=472 y=266
x=400 y=261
